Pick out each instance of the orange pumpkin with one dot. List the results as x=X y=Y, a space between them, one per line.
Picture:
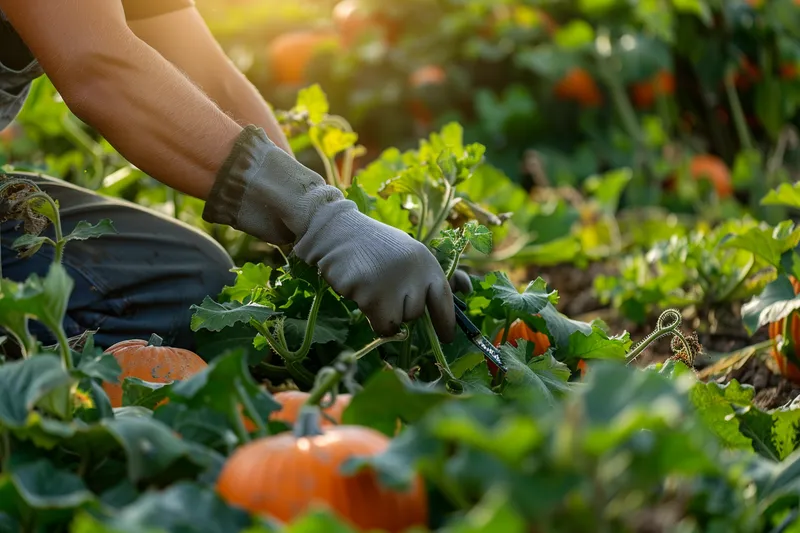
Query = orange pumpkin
x=645 y=93
x=579 y=86
x=714 y=169
x=520 y=330
x=791 y=336
x=290 y=54
x=149 y=361
x=292 y=402
x=285 y=475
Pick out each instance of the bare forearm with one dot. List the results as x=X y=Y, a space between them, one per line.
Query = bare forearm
x=169 y=128
x=234 y=93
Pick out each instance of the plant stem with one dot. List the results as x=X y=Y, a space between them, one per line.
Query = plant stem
x=746 y=274
x=441 y=216
x=63 y=348
x=250 y=410
x=279 y=345
x=56 y=224
x=739 y=121
x=423 y=215
x=438 y=354
x=235 y=418
x=403 y=335
x=506 y=328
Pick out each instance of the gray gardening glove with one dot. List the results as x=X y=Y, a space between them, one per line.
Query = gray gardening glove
x=460 y=282
x=266 y=193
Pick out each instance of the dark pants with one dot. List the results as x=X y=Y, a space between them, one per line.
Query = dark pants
x=129 y=285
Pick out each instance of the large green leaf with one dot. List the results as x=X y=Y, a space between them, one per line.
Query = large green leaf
x=386 y=398
x=598 y=345
x=44 y=486
x=777 y=301
x=766 y=242
x=155 y=452
x=84 y=230
x=785 y=194
x=251 y=278
x=183 y=507
x=541 y=378
x=25 y=383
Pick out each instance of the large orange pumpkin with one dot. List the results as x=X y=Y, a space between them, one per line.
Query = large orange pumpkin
x=290 y=54
x=285 y=475
x=791 y=335
x=645 y=93
x=714 y=169
x=579 y=86
x=519 y=330
x=149 y=361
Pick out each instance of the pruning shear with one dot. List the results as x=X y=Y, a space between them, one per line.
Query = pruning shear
x=475 y=336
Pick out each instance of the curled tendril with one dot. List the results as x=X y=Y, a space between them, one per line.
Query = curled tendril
x=662 y=329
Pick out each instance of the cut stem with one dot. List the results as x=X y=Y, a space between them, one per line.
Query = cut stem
x=438 y=354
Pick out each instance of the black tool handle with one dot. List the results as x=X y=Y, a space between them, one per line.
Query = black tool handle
x=466 y=325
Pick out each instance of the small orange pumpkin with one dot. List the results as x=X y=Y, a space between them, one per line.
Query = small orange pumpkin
x=285 y=475
x=714 y=169
x=791 y=334
x=149 y=361
x=645 y=93
x=579 y=86
x=289 y=54
x=292 y=402
x=520 y=330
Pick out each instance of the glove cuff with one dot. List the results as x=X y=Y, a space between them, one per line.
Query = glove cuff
x=264 y=192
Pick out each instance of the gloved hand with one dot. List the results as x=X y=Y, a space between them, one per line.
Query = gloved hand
x=460 y=282
x=263 y=191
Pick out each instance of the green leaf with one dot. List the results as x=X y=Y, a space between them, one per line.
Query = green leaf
x=317 y=521
x=786 y=194
x=155 y=452
x=575 y=34
x=357 y=194
x=715 y=405
x=137 y=392
x=184 y=507
x=608 y=188
x=84 y=230
x=218 y=386
x=28 y=244
x=326 y=329
x=385 y=398
x=777 y=301
x=530 y=301
x=25 y=383
x=598 y=345
x=251 y=278
x=533 y=378
x=493 y=513
x=335 y=141
x=104 y=367
x=313 y=101
x=765 y=242
x=43 y=299
x=43 y=486
x=215 y=316
x=480 y=237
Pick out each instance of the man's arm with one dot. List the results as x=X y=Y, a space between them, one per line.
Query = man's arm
x=135 y=98
x=183 y=38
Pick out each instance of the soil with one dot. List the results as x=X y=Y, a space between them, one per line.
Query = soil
x=719 y=331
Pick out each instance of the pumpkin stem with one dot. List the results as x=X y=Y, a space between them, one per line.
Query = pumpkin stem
x=155 y=340
x=661 y=330
x=308 y=422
